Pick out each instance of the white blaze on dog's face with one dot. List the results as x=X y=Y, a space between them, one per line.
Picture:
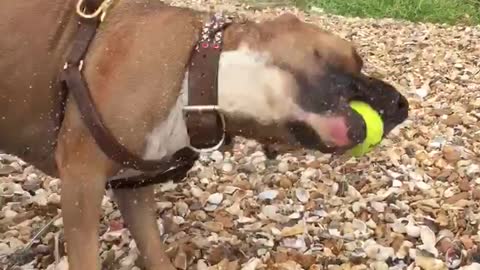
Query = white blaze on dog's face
x=293 y=81
x=252 y=88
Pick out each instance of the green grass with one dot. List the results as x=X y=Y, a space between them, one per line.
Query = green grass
x=435 y=11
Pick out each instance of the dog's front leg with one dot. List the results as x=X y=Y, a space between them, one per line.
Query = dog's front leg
x=83 y=170
x=138 y=210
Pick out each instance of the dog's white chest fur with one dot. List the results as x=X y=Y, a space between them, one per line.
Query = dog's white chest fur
x=170 y=135
x=167 y=137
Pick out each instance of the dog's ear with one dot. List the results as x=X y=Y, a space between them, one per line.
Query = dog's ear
x=288 y=18
x=275 y=27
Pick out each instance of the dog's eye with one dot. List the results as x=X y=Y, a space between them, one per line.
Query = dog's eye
x=317 y=54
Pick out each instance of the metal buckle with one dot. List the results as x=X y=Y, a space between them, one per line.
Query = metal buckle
x=101 y=10
x=209 y=108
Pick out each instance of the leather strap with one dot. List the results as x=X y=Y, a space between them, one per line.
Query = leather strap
x=74 y=81
x=203 y=81
x=92 y=5
x=203 y=84
x=150 y=178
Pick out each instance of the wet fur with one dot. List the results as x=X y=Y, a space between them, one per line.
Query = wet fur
x=135 y=69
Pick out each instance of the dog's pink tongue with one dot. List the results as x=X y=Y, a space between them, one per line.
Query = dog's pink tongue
x=338 y=131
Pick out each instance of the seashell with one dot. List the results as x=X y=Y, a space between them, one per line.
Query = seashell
x=217 y=156
x=111 y=236
x=53 y=198
x=230 y=189
x=168 y=186
x=472 y=170
x=378 y=206
x=10 y=189
x=210 y=207
x=302 y=195
x=295 y=215
x=371 y=224
x=296 y=243
x=454 y=256
x=271 y=212
x=422 y=186
x=429 y=263
x=9 y=214
x=397 y=183
x=252 y=264
x=202 y=265
x=412 y=230
x=358 y=205
x=310 y=174
x=227 y=167
x=178 y=220
x=196 y=192
x=320 y=213
x=427 y=236
x=243 y=220
x=234 y=209
x=291 y=231
x=449 y=192
x=404 y=249
x=334 y=188
x=268 y=194
x=378 y=265
x=378 y=252
x=399 y=225
x=359 y=225
x=40 y=198
x=215 y=198
x=353 y=193
x=473 y=266
x=283 y=167
x=164 y=205
x=5 y=249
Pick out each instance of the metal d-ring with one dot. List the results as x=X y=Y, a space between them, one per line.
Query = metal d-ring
x=211 y=108
x=101 y=10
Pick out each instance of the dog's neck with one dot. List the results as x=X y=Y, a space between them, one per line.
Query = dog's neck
x=248 y=87
x=249 y=90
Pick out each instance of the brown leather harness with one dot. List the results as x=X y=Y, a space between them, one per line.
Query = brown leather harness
x=202 y=117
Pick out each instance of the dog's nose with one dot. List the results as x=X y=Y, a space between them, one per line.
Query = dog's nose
x=402 y=104
x=396 y=114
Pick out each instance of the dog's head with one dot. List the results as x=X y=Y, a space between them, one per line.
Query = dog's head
x=294 y=81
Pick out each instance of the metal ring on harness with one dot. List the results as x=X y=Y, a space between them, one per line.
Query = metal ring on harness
x=100 y=11
x=213 y=108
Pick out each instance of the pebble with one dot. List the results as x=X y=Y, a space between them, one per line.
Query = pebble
x=215 y=198
x=302 y=195
x=285 y=183
x=283 y=167
x=9 y=213
x=453 y=120
x=227 y=168
x=452 y=153
x=476 y=194
x=459 y=196
x=346 y=214
x=464 y=185
x=217 y=156
x=268 y=195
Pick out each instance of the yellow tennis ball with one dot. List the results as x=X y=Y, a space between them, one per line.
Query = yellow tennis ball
x=374 y=126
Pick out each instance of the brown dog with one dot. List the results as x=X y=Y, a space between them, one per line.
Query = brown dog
x=281 y=81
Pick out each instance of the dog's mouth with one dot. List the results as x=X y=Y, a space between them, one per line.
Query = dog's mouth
x=328 y=134
x=339 y=132
x=326 y=122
